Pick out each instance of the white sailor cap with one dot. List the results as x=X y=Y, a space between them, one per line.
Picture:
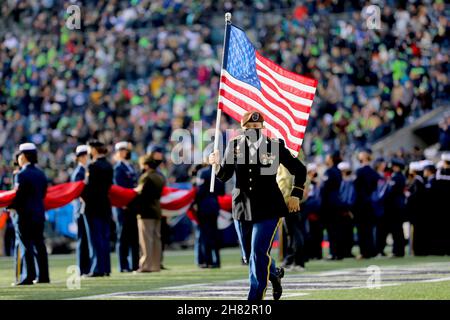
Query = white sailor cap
x=344 y=165
x=27 y=147
x=121 y=145
x=311 y=167
x=415 y=166
x=81 y=149
x=440 y=165
x=445 y=156
x=426 y=163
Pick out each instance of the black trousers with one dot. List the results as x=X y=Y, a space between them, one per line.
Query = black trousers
x=336 y=236
x=30 y=246
x=294 y=227
x=391 y=223
x=366 y=240
x=314 y=239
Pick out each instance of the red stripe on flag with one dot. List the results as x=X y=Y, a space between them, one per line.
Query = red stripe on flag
x=286 y=73
x=284 y=86
x=251 y=95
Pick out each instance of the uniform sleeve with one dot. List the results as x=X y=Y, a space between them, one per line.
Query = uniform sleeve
x=296 y=168
x=119 y=176
x=80 y=175
x=91 y=181
x=284 y=180
x=227 y=166
x=396 y=186
x=20 y=186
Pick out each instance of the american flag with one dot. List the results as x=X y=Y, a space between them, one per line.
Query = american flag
x=251 y=82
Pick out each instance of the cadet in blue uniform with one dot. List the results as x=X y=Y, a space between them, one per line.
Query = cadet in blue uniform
x=98 y=208
x=330 y=210
x=31 y=188
x=415 y=206
x=208 y=210
x=258 y=203
x=126 y=223
x=395 y=208
x=83 y=239
x=366 y=183
x=347 y=195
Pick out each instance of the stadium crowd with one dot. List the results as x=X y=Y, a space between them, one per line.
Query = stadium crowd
x=140 y=69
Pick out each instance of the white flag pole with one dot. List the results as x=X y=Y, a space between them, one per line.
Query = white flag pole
x=219 y=111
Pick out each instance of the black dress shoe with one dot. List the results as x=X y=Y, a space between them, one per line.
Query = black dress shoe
x=277 y=289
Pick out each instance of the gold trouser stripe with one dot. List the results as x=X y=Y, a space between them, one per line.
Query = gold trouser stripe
x=19 y=261
x=270 y=258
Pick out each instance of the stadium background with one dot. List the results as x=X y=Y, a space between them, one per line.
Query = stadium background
x=138 y=70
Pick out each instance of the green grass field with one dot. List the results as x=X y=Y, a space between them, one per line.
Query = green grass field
x=182 y=271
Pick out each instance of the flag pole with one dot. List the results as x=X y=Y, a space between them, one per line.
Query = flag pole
x=219 y=111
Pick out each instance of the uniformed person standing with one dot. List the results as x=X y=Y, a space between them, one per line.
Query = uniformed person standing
x=330 y=209
x=83 y=238
x=207 y=240
x=366 y=183
x=126 y=223
x=347 y=195
x=98 y=208
x=311 y=209
x=441 y=234
x=415 y=208
x=31 y=188
x=394 y=211
x=258 y=203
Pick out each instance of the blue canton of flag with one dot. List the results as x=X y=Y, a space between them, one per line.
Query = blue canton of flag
x=241 y=59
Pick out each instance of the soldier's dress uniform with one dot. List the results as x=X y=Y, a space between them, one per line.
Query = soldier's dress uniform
x=98 y=213
x=31 y=186
x=258 y=203
x=126 y=222
x=84 y=249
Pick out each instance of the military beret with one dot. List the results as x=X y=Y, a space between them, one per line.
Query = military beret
x=252 y=116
